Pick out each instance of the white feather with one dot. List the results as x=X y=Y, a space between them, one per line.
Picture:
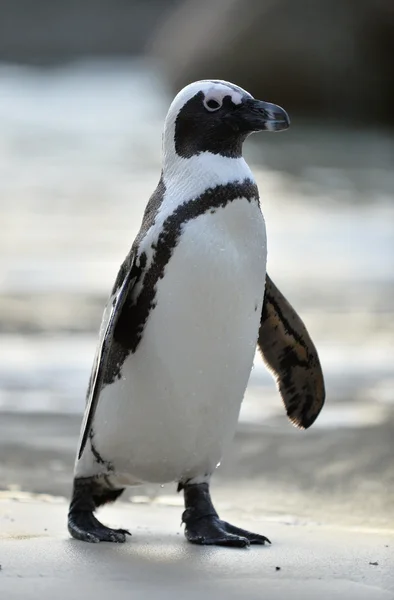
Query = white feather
x=176 y=406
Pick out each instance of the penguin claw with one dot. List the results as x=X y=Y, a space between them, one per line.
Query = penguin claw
x=253 y=538
x=85 y=527
x=212 y=531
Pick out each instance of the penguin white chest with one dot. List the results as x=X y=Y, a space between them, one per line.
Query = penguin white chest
x=176 y=404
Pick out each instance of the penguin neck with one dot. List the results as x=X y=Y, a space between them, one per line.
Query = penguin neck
x=186 y=178
x=190 y=177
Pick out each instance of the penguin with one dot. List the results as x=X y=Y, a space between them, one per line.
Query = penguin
x=190 y=304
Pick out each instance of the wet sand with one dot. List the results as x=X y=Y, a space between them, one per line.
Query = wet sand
x=305 y=562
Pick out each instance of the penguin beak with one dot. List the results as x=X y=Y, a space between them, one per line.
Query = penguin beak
x=257 y=115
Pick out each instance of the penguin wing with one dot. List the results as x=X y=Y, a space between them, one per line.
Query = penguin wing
x=291 y=356
x=125 y=281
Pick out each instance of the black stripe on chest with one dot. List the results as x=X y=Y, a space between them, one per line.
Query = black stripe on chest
x=133 y=318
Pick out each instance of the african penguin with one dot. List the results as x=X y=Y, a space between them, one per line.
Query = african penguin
x=190 y=303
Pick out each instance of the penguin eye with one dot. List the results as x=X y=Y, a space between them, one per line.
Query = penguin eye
x=212 y=105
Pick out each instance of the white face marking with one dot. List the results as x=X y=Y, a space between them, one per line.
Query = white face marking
x=217 y=90
x=217 y=95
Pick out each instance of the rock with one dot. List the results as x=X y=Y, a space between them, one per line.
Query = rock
x=332 y=58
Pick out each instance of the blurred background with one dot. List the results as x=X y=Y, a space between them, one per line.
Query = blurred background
x=84 y=88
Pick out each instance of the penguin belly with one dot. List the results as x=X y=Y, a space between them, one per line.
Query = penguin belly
x=176 y=404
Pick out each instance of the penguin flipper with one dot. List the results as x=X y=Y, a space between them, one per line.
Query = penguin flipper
x=289 y=353
x=125 y=281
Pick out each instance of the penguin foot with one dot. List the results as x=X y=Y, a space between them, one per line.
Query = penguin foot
x=203 y=525
x=212 y=531
x=84 y=526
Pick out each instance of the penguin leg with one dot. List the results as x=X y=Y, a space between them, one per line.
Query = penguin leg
x=88 y=494
x=203 y=525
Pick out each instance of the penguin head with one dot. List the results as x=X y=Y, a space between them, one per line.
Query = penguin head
x=217 y=116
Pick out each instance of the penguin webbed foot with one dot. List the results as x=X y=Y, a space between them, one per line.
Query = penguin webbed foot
x=212 y=531
x=84 y=526
x=203 y=525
